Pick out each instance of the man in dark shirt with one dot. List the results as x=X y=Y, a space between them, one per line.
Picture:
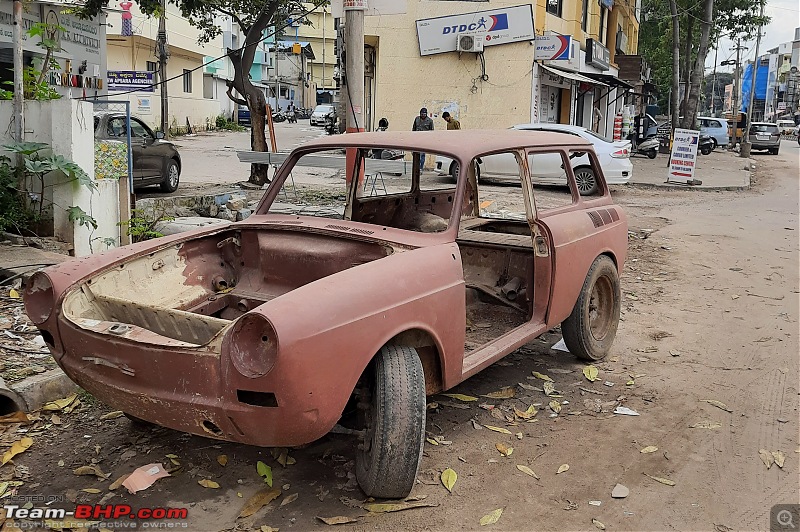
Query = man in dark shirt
x=422 y=123
x=452 y=123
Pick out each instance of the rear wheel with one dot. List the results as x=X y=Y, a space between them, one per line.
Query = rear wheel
x=586 y=180
x=590 y=330
x=392 y=417
x=454 y=171
x=652 y=153
x=705 y=150
x=171 y=177
x=774 y=151
x=713 y=144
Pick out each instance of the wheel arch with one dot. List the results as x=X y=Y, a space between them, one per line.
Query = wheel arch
x=429 y=352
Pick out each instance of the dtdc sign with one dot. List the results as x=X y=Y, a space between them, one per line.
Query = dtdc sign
x=501 y=26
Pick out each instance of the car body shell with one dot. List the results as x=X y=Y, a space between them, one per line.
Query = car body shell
x=345 y=289
x=151 y=155
x=786 y=127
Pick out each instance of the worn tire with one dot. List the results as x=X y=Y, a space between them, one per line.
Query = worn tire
x=171 y=177
x=652 y=154
x=454 y=171
x=590 y=330
x=705 y=151
x=775 y=151
x=585 y=180
x=394 y=424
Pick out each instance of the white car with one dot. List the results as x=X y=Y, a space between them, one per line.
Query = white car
x=320 y=114
x=546 y=169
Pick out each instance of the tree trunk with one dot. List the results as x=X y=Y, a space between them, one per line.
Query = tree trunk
x=687 y=68
x=676 y=61
x=242 y=60
x=700 y=61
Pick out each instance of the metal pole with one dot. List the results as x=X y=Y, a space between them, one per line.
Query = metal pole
x=163 y=54
x=714 y=82
x=735 y=103
x=354 y=69
x=746 y=145
x=18 y=108
x=324 y=11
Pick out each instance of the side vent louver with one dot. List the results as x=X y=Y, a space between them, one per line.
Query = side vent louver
x=350 y=230
x=602 y=217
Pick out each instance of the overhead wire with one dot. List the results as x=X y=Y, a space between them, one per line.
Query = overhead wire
x=275 y=31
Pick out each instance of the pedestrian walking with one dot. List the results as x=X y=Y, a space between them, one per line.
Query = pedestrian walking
x=452 y=123
x=422 y=123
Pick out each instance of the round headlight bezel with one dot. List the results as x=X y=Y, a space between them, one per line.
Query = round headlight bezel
x=39 y=298
x=253 y=345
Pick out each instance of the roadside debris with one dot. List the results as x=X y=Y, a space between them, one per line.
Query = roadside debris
x=338 y=520
x=649 y=449
x=144 y=477
x=528 y=471
x=382 y=508
x=718 y=404
x=706 y=425
x=590 y=372
x=260 y=499
x=17 y=447
x=624 y=410
x=449 y=478
x=560 y=346
x=598 y=524
x=562 y=468
x=491 y=518
x=664 y=481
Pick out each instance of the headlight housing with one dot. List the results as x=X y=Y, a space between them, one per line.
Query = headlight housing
x=39 y=298
x=253 y=345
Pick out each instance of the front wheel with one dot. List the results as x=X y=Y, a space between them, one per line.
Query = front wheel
x=713 y=144
x=454 y=171
x=586 y=181
x=705 y=150
x=590 y=330
x=392 y=417
x=171 y=178
x=652 y=153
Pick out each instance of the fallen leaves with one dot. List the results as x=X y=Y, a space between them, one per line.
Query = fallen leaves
x=265 y=472
x=17 y=447
x=590 y=372
x=706 y=425
x=89 y=470
x=117 y=483
x=780 y=458
x=461 y=397
x=664 y=481
x=772 y=457
x=337 y=520
x=506 y=393
x=528 y=471
x=501 y=430
x=548 y=388
x=491 y=518
x=718 y=404
x=449 y=478
x=527 y=414
x=208 y=484
x=598 y=524
x=555 y=406
x=562 y=468
x=649 y=449
x=504 y=449
x=289 y=499
x=112 y=415
x=13 y=294
x=382 y=508
x=15 y=417
x=260 y=499
x=222 y=460
x=61 y=404
x=541 y=376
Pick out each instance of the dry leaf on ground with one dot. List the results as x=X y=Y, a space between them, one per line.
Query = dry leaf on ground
x=555 y=406
x=338 y=520
x=91 y=470
x=706 y=425
x=60 y=404
x=766 y=457
x=491 y=518
x=112 y=415
x=598 y=524
x=590 y=372
x=461 y=397
x=501 y=430
x=528 y=471
x=780 y=458
x=258 y=501
x=665 y=481
x=505 y=393
x=15 y=417
x=449 y=478
x=222 y=460
x=208 y=484
x=649 y=449
x=289 y=499
x=91 y=490
x=549 y=388
x=562 y=468
x=117 y=483
x=504 y=449
x=541 y=376
x=382 y=508
x=17 y=447
x=718 y=404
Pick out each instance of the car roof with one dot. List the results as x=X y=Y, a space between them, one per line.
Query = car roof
x=547 y=125
x=463 y=143
x=712 y=118
x=764 y=124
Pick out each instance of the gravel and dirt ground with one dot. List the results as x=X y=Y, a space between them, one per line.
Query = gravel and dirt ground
x=706 y=354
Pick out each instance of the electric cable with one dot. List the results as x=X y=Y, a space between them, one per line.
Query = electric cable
x=254 y=43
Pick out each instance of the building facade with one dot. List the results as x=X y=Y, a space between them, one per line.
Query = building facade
x=553 y=61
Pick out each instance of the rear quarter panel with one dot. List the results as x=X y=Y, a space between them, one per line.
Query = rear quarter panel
x=576 y=242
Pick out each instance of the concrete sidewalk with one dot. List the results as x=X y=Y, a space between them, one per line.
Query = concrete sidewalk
x=719 y=170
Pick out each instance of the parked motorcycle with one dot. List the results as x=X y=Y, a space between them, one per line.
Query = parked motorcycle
x=331 y=126
x=278 y=116
x=706 y=144
x=647 y=147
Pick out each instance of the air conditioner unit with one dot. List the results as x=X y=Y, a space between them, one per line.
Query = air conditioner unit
x=470 y=42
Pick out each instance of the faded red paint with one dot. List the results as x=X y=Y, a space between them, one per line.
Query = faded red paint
x=320 y=300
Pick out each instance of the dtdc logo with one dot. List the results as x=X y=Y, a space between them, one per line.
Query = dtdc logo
x=491 y=23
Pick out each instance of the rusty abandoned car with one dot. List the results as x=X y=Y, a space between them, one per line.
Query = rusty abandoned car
x=273 y=330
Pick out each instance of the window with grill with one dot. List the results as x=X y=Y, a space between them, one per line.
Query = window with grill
x=554 y=7
x=187 y=80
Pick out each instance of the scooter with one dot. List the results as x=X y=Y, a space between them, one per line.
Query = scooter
x=706 y=144
x=648 y=147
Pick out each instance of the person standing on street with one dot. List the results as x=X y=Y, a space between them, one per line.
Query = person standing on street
x=422 y=123
x=452 y=123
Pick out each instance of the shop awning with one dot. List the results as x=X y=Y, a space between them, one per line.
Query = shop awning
x=572 y=75
x=609 y=80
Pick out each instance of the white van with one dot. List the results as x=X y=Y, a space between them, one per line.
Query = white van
x=786 y=127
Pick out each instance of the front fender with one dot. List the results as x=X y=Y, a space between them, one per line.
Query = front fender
x=329 y=330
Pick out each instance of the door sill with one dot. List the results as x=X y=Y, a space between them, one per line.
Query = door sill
x=493 y=351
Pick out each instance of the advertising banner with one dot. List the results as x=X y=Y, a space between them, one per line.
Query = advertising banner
x=553 y=47
x=127 y=80
x=501 y=26
x=683 y=159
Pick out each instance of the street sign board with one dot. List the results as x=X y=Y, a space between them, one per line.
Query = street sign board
x=683 y=159
x=553 y=47
x=128 y=80
x=501 y=26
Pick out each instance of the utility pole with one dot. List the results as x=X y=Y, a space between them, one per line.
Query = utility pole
x=714 y=81
x=163 y=53
x=353 y=86
x=19 y=96
x=324 y=12
x=735 y=106
x=745 y=149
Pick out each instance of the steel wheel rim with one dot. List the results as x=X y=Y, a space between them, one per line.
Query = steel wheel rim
x=585 y=180
x=173 y=175
x=601 y=305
